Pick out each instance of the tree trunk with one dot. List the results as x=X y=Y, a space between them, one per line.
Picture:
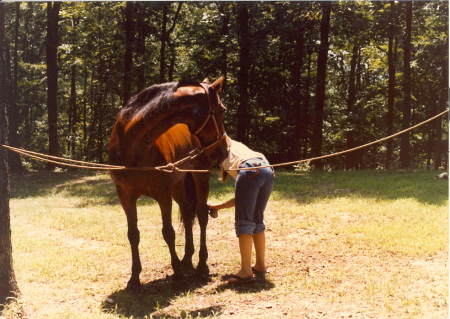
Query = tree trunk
x=162 y=52
x=171 y=45
x=52 y=77
x=352 y=157
x=391 y=86
x=243 y=73
x=8 y=284
x=316 y=140
x=140 y=49
x=442 y=104
x=85 y=97
x=305 y=115
x=224 y=33
x=300 y=122
x=15 y=163
x=129 y=44
x=406 y=122
x=72 y=110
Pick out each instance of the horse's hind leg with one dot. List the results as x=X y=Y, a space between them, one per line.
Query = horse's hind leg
x=165 y=204
x=129 y=206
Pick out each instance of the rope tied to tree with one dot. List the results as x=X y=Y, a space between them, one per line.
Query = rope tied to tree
x=173 y=167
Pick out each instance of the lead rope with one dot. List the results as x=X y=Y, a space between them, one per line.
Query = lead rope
x=172 y=166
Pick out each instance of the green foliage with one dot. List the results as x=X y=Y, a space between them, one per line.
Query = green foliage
x=203 y=41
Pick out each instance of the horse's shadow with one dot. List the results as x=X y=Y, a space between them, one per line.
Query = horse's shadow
x=155 y=296
x=158 y=294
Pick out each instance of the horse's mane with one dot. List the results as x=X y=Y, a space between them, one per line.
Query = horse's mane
x=155 y=97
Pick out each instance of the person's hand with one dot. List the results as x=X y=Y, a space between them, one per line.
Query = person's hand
x=212 y=211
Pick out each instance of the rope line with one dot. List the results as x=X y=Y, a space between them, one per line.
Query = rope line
x=171 y=167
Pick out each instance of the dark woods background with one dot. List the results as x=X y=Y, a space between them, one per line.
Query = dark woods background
x=303 y=78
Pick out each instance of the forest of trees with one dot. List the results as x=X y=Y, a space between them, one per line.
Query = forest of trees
x=304 y=78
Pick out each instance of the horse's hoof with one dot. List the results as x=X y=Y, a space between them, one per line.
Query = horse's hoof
x=203 y=277
x=187 y=266
x=202 y=273
x=134 y=286
x=179 y=276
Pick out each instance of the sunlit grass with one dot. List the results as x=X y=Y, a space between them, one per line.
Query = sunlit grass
x=370 y=242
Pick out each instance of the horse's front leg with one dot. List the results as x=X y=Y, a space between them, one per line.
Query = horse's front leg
x=202 y=186
x=168 y=232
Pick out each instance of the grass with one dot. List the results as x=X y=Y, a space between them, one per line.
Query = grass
x=360 y=244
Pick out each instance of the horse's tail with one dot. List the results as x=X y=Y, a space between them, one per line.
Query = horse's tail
x=191 y=196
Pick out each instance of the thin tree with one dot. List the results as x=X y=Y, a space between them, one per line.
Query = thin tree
x=317 y=134
x=243 y=73
x=52 y=77
x=442 y=104
x=391 y=84
x=406 y=121
x=8 y=284
x=129 y=48
x=352 y=158
x=299 y=106
x=165 y=37
x=15 y=163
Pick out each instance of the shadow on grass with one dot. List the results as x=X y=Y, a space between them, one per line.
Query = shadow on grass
x=154 y=297
x=95 y=187
x=159 y=294
x=305 y=187
x=42 y=183
x=258 y=285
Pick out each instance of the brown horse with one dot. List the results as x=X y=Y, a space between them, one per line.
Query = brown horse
x=163 y=124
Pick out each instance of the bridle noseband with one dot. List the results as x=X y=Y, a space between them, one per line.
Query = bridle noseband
x=209 y=117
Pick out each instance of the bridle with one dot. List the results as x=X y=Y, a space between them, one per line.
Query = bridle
x=210 y=116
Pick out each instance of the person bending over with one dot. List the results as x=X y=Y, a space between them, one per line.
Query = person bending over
x=252 y=191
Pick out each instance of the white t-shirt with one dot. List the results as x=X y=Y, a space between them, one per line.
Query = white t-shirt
x=237 y=154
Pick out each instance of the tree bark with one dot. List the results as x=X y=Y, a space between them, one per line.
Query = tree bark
x=8 y=284
x=406 y=121
x=243 y=73
x=52 y=77
x=316 y=139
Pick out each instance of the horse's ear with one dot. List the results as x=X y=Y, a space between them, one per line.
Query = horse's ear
x=187 y=91
x=206 y=81
x=218 y=84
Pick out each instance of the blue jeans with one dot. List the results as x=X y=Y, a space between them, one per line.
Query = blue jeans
x=253 y=188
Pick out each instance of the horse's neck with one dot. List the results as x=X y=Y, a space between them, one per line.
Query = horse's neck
x=153 y=123
x=133 y=137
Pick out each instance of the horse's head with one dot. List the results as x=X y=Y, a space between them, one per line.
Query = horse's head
x=207 y=116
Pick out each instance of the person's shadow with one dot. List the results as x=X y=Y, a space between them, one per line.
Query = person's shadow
x=260 y=283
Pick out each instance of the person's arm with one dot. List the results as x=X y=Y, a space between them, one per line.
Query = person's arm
x=227 y=204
